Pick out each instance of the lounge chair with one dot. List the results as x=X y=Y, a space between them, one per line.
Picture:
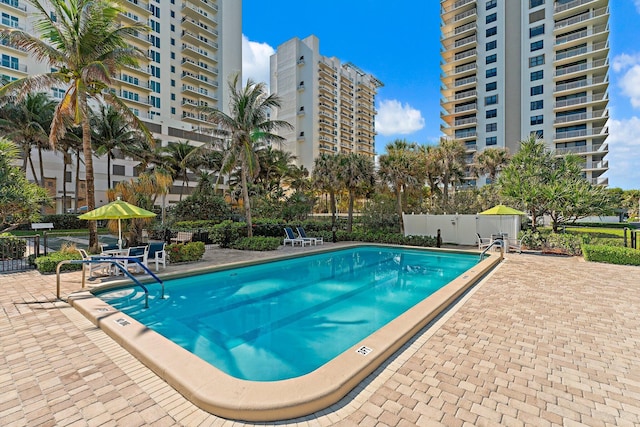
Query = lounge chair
x=291 y=238
x=483 y=242
x=156 y=252
x=303 y=236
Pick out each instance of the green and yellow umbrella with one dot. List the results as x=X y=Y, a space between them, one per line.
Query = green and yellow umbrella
x=118 y=209
x=502 y=210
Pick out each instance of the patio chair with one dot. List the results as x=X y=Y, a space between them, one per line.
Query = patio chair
x=156 y=252
x=514 y=245
x=483 y=242
x=291 y=238
x=103 y=267
x=139 y=252
x=302 y=235
x=182 y=237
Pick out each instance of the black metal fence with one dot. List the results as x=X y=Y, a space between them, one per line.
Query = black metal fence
x=17 y=253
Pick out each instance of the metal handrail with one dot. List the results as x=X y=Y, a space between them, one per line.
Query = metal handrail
x=113 y=261
x=499 y=242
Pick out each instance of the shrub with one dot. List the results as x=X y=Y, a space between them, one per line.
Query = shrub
x=199 y=206
x=611 y=254
x=191 y=225
x=378 y=237
x=532 y=239
x=61 y=222
x=565 y=243
x=48 y=264
x=184 y=252
x=227 y=232
x=12 y=247
x=257 y=243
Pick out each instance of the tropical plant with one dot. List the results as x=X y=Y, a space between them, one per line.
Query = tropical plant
x=178 y=158
x=356 y=173
x=20 y=200
x=247 y=127
x=325 y=178
x=451 y=164
x=490 y=162
x=84 y=44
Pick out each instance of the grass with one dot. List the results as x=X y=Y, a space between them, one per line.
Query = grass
x=54 y=232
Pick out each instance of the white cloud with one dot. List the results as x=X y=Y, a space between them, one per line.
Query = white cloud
x=255 y=60
x=624 y=61
x=394 y=118
x=629 y=81
x=624 y=145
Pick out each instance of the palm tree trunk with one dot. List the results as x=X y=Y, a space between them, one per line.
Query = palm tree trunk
x=77 y=190
x=41 y=166
x=88 y=165
x=64 y=183
x=108 y=169
x=247 y=202
x=399 y=206
x=33 y=172
x=352 y=197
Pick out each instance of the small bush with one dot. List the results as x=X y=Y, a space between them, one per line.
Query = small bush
x=227 y=232
x=611 y=254
x=48 y=264
x=377 y=237
x=184 y=252
x=12 y=247
x=191 y=225
x=532 y=239
x=258 y=243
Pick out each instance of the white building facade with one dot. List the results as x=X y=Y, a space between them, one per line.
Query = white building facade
x=515 y=68
x=192 y=49
x=331 y=105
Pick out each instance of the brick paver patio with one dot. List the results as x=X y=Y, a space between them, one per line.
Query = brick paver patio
x=541 y=341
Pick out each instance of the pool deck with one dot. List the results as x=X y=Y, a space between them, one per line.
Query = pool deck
x=542 y=340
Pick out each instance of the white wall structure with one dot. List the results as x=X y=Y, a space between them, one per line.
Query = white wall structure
x=192 y=49
x=461 y=229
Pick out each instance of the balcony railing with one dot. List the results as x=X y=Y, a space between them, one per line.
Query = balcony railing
x=581 y=51
x=581 y=67
x=593 y=148
x=462 y=122
x=582 y=17
x=467 y=107
x=580 y=83
x=466 y=81
x=580 y=100
x=466 y=54
x=581 y=133
x=602 y=114
x=459 y=30
x=562 y=7
x=582 y=34
x=466 y=67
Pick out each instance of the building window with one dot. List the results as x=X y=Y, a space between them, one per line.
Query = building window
x=536 y=60
x=492 y=58
x=491 y=86
x=173 y=28
x=490 y=100
x=154 y=86
x=173 y=110
x=491 y=72
x=491 y=31
x=173 y=83
x=173 y=14
x=173 y=68
x=491 y=4
x=535 y=3
x=118 y=169
x=537 y=105
x=491 y=45
x=539 y=134
x=492 y=127
x=173 y=43
x=537 y=75
x=537 y=90
x=173 y=96
x=491 y=18
x=67 y=177
x=10 y=62
x=155 y=71
x=492 y=140
x=490 y=114
x=537 y=120
x=536 y=31
x=537 y=45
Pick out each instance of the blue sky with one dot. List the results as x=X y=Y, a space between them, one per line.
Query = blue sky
x=400 y=46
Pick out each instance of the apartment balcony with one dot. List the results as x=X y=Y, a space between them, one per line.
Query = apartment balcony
x=15 y=4
x=460 y=31
x=598 y=82
x=468 y=96
x=594 y=116
x=129 y=17
x=134 y=98
x=138 y=6
x=197 y=25
x=144 y=71
x=601 y=132
x=209 y=4
x=189 y=103
x=590 y=17
x=199 y=66
x=192 y=11
x=467 y=121
x=466 y=108
x=462 y=17
x=596 y=166
x=601 y=48
x=571 y=8
x=603 y=181
x=134 y=82
x=450 y=58
x=458 y=45
x=450 y=6
x=583 y=101
x=465 y=134
x=198 y=40
x=15 y=50
x=581 y=150
x=189 y=116
x=462 y=70
x=197 y=52
x=13 y=66
x=593 y=34
x=192 y=90
x=598 y=66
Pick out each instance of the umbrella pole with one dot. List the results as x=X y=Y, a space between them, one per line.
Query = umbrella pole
x=119 y=235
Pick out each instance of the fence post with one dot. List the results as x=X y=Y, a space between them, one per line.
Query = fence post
x=625 y=236
x=438 y=239
x=634 y=243
x=44 y=235
x=36 y=244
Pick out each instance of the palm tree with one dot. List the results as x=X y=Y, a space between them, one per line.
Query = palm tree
x=179 y=158
x=450 y=158
x=356 y=173
x=85 y=45
x=27 y=122
x=69 y=144
x=248 y=127
x=490 y=162
x=325 y=178
x=110 y=132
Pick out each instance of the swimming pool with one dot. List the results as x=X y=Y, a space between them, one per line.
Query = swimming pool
x=284 y=319
x=264 y=398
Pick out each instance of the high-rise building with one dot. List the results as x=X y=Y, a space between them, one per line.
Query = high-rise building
x=329 y=104
x=513 y=68
x=192 y=49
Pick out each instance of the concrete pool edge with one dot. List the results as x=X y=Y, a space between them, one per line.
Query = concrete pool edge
x=222 y=395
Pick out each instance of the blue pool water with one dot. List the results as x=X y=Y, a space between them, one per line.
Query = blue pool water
x=286 y=318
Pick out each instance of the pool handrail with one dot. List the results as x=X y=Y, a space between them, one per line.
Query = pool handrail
x=114 y=261
x=499 y=242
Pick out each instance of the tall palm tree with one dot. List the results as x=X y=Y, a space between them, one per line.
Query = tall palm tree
x=490 y=161
x=85 y=45
x=356 y=173
x=179 y=158
x=325 y=178
x=450 y=158
x=247 y=127
x=110 y=132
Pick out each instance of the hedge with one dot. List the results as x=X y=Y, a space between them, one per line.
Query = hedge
x=48 y=264
x=183 y=252
x=12 y=247
x=257 y=243
x=611 y=254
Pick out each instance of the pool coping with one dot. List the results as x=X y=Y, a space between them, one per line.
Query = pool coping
x=218 y=393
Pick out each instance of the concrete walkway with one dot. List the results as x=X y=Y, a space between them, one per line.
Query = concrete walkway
x=541 y=341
